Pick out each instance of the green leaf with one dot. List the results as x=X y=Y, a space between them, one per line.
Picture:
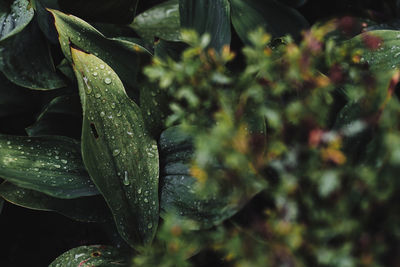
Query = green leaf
x=96 y=256
x=49 y=164
x=155 y=108
x=26 y=60
x=386 y=55
x=166 y=49
x=179 y=194
x=159 y=21
x=14 y=18
x=123 y=56
x=276 y=18
x=84 y=209
x=208 y=16
x=121 y=157
x=115 y=11
x=62 y=116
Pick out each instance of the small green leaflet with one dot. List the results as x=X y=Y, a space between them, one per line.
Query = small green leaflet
x=48 y=164
x=121 y=157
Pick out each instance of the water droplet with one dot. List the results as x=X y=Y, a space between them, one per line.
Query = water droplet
x=95 y=73
x=64 y=161
x=150 y=225
x=116 y=152
x=139 y=191
x=102 y=114
x=146 y=200
x=112 y=105
x=97 y=95
x=57 y=166
x=102 y=66
x=107 y=80
x=126 y=178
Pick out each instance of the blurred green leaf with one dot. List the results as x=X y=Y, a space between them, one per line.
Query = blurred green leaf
x=49 y=164
x=95 y=255
x=26 y=60
x=159 y=21
x=276 y=18
x=62 y=116
x=123 y=56
x=208 y=16
x=14 y=17
x=179 y=190
x=119 y=154
x=83 y=209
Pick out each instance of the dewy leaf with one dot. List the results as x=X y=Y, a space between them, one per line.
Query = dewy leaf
x=49 y=164
x=96 y=256
x=123 y=56
x=115 y=11
x=121 y=157
x=380 y=49
x=276 y=18
x=26 y=60
x=208 y=16
x=62 y=116
x=14 y=17
x=84 y=209
x=178 y=188
x=160 y=21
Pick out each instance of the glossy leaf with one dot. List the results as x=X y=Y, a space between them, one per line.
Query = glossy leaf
x=155 y=108
x=14 y=18
x=115 y=11
x=96 y=256
x=208 y=16
x=26 y=60
x=121 y=157
x=123 y=56
x=380 y=49
x=276 y=18
x=62 y=116
x=84 y=209
x=178 y=188
x=160 y=21
x=49 y=164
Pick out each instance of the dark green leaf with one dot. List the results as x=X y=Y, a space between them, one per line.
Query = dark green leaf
x=121 y=157
x=44 y=18
x=380 y=49
x=96 y=256
x=115 y=11
x=85 y=209
x=178 y=188
x=160 y=21
x=26 y=60
x=166 y=49
x=155 y=108
x=66 y=69
x=14 y=17
x=276 y=18
x=49 y=164
x=123 y=56
x=208 y=16
x=62 y=116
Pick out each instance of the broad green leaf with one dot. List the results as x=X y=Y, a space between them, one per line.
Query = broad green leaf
x=166 y=49
x=155 y=108
x=26 y=60
x=276 y=18
x=208 y=16
x=84 y=209
x=95 y=256
x=14 y=17
x=179 y=193
x=123 y=56
x=159 y=21
x=62 y=116
x=115 y=11
x=44 y=18
x=380 y=49
x=49 y=164
x=121 y=157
